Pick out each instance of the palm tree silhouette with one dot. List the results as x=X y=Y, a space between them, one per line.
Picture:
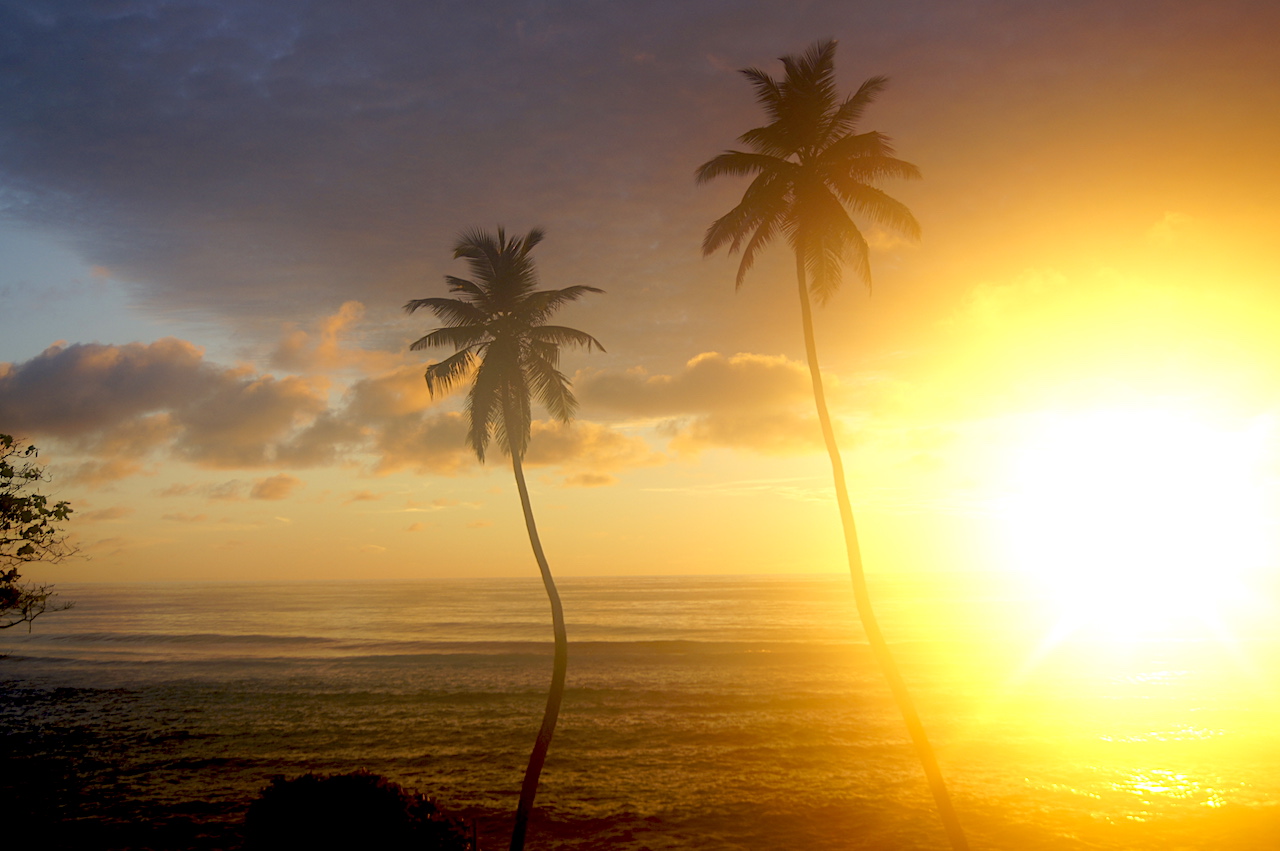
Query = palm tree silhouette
x=810 y=170
x=497 y=325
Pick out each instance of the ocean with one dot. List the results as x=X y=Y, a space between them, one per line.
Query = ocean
x=727 y=712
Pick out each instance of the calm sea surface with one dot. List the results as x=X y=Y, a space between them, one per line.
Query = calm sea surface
x=709 y=713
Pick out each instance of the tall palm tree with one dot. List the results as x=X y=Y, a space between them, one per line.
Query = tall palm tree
x=497 y=326
x=811 y=170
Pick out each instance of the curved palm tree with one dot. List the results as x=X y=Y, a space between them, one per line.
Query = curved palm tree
x=811 y=170
x=497 y=326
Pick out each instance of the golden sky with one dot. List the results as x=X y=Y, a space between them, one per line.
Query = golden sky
x=211 y=242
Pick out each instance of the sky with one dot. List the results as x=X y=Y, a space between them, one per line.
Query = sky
x=212 y=213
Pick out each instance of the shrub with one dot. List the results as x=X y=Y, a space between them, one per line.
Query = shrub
x=346 y=811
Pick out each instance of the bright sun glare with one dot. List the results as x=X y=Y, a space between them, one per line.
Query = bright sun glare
x=1137 y=520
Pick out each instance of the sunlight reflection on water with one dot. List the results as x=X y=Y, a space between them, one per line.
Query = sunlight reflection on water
x=763 y=725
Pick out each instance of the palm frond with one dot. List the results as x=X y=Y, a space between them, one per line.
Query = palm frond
x=730 y=228
x=498 y=326
x=842 y=244
x=482 y=251
x=809 y=95
x=768 y=92
x=558 y=335
x=531 y=240
x=811 y=171
x=775 y=140
x=461 y=285
x=452 y=311
x=443 y=375
x=850 y=112
x=740 y=164
x=483 y=406
x=878 y=206
x=458 y=336
x=541 y=304
x=551 y=388
x=811 y=75
x=824 y=265
x=764 y=198
x=540 y=349
x=513 y=427
x=874 y=169
x=760 y=239
x=853 y=148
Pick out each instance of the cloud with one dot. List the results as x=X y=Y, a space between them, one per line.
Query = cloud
x=178 y=489
x=709 y=382
x=394 y=411
x=783 y=433
x=225 y=492
x=762 y=403
x=362 y=496
x=435 y=444
x=589 y=480
x=238 y=422
x=180 y=517
x=324 y=349
x=587 y=444
x=97 y=474
x=115 y=512
x=71 y=391
x=123 y=402
x=252 y=161
x=117 y=411
x=251 y=157
x=276 y=487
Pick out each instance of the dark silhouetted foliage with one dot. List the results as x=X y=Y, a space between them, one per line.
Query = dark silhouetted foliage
x=30 y=531
x=348 y=811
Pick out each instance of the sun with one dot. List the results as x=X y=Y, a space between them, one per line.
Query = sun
x=1138 y=520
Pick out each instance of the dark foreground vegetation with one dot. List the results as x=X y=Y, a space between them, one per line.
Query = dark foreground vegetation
x=356 y=810
x=66 y=792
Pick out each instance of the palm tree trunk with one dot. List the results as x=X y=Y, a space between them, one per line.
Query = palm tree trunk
x=529 y=788
x=867 y=614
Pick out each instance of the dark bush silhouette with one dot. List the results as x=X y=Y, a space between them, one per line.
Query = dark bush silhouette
x=346 y=811
x=30 y=531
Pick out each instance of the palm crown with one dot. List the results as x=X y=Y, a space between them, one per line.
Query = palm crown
x=810 y=169
x=497 y=324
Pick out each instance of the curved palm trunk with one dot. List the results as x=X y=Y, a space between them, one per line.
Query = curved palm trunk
x=868 y=616
x=529 y=788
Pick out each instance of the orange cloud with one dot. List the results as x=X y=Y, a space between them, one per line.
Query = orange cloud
x=237 y=423
x=276 y=487
x=783 y=433
x=709 y=382
x=587 y=444
x=589 y=480
x=115 y=512
x=434 y=444
x=95 y=474
x=761 y=403
x=324 y=348
x=180 y=517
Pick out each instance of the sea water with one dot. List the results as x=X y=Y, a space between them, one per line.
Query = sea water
x=701 y=712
